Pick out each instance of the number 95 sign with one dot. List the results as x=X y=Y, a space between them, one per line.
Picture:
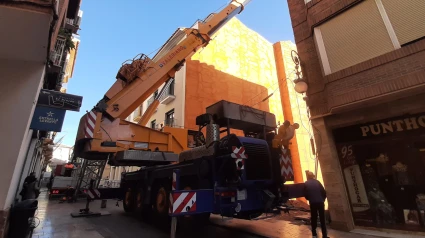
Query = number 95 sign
x=346 y=155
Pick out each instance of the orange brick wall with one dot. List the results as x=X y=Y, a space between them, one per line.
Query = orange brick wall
x=205 y=86
x=238 y=66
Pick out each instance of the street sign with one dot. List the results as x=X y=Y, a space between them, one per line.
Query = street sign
x=47 y=119
x=48 y=98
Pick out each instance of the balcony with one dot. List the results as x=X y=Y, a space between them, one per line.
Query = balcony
x=26 y=30
x=58 y=53
x=171 y=122
x=73 y=24
x=168 y=96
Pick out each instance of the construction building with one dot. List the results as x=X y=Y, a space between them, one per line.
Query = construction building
x=240 y=66
x=39 y=37
x=363 y=62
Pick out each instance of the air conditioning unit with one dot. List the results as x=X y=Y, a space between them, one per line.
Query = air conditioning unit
x=77 y=20
x=57 y=6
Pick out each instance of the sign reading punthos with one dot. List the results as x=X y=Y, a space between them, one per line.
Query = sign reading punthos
x=387 y=127
x=411 y=123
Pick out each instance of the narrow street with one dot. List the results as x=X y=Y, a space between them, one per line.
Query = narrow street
x=54 y=221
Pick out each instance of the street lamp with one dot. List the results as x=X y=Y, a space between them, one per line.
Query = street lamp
x=301 y=85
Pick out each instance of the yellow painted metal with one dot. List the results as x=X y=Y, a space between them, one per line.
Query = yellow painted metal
x=125 y=96
x=148 y=113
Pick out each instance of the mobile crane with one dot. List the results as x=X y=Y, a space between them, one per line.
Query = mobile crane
x=228 y=175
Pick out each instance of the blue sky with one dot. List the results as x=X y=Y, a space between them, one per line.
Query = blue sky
x=114 y=31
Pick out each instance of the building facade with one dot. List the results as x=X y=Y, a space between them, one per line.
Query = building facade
x=239 y=66
x=30 y=32
x=363 y=62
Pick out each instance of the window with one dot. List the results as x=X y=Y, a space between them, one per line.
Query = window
x=367 y=30
x=153 y=124
x=169 y=118
x=138 y=112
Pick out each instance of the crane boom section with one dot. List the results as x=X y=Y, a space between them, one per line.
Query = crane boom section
x=138 y=80
x=144 y=83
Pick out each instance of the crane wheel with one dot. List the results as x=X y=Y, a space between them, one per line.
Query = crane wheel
x=160 y=204
x=161 y=201
x=141 y=209
x=128 y=202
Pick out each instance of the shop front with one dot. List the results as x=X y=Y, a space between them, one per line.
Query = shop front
x=383 y=164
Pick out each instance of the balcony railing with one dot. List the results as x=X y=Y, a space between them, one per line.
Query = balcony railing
x=58 y=52
x=168 y=96
x=69 y=21
x=170 y=122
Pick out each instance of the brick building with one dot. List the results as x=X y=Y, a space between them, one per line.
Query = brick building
x=364 y=63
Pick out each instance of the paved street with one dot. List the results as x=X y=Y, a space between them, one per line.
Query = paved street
x=56 y=222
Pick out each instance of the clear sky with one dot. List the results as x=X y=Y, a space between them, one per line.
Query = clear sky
x=114 y=31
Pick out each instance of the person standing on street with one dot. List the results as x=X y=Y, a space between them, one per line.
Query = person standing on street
x=316 y=195
x=30 y=189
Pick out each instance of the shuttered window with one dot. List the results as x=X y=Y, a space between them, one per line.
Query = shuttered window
x=357 y=35
x=407 y=18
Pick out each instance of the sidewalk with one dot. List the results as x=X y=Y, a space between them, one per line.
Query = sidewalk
x=274 y=228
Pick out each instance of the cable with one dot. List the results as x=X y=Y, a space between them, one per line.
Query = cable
x=269 y=96
x=106 y=133
x=284 y=80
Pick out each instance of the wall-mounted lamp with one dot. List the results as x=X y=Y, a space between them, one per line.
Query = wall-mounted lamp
x=301 y=85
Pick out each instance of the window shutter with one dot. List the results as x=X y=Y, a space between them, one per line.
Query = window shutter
x=407 y=18
x=356 y=35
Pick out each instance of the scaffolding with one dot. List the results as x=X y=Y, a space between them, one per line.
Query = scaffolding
x=90 y=170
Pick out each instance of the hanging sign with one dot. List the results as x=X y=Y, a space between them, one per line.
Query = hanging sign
x=48 y=98
x=47 y=119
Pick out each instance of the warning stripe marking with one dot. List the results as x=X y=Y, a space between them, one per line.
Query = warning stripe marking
x=286 y=165
x=184 y=202
x=239 y=156
x=173 y=185
x=90 y=124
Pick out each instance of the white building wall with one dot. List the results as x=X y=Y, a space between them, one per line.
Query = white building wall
x=177 y=104
x=21 y=82
x=62 y=152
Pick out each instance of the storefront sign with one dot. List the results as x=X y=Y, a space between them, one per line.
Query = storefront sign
x=47 y=119
x=353 y=178
x=388 y=127
x=48 y=98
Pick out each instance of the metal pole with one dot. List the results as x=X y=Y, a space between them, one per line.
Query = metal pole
x=175 y=185
x=173 y=227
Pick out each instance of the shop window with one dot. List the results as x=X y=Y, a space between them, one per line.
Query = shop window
x=383 y=165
